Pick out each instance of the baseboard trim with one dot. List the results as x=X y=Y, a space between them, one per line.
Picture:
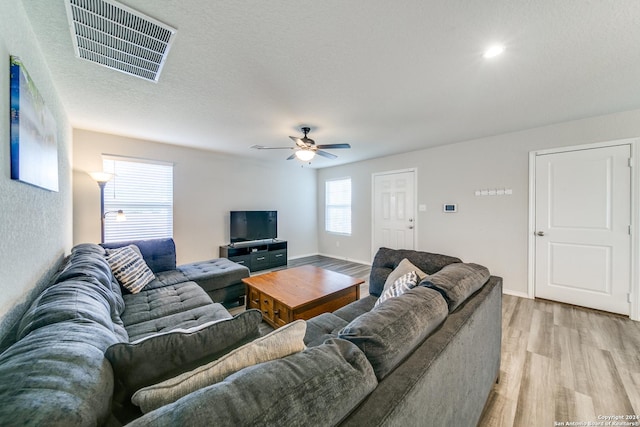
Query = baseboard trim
x=346 y=259
x=330 y=256
x=515 y=293
x=302 y=256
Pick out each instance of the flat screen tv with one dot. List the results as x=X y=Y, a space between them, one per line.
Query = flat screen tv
x=253 y=225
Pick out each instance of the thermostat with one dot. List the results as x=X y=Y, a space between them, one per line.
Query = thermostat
x=450 y=208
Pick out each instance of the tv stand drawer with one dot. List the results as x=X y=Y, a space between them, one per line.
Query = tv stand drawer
x=243 y=260
x=278 y=258
x=259 y=260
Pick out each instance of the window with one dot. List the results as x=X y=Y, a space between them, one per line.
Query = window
x=144 y=191
x=338 y=206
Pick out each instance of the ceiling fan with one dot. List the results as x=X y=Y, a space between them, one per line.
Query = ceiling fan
x=306 y=148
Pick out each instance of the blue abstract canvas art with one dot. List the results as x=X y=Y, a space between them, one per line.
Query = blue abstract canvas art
x=34 y=147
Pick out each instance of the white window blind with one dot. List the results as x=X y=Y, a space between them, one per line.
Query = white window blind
x=144 y=191
x=338 y=206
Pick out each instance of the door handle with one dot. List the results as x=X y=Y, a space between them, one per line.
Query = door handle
x=540 y=233
x=411 y=227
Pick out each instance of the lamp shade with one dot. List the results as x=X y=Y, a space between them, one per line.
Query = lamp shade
x=101 y=177
x=305 y=155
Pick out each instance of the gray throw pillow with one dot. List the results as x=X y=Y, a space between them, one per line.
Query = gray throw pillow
x=129 y=268
x=457 y=282
x=159 y=357
x=279 y=343
x=391 y=331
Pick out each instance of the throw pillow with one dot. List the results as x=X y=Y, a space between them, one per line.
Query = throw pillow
x=405 y=266
x=457 y=282
x=279 y=343
x=159 y=357
x=399 y=287
x=129 y=268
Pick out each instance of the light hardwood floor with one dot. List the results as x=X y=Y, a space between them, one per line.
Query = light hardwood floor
x=559 y=364
x=563 y=364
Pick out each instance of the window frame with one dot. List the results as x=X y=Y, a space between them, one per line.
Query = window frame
x=146 y=219
x=328 y=206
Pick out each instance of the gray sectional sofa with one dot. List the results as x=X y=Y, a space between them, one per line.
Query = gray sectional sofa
x=427 y=357
x=219 y=277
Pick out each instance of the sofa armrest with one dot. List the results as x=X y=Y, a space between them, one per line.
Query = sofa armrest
x=446 y=380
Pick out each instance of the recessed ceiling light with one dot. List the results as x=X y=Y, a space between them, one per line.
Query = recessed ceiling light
x=493 y=51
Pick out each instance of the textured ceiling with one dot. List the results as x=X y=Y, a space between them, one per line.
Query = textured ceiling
x=386 y=77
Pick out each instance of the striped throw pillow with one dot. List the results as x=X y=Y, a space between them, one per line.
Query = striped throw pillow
x=399 y=287
x=129 y=268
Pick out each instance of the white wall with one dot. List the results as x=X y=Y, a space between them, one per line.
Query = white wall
x=207 y=186
x=492 y=231
x=35 y=224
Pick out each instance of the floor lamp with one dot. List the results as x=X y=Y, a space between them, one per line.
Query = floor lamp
x=102 y=178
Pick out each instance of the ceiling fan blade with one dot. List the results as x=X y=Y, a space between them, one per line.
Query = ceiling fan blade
x=299 y=142
x=291 y=157
x=262 y=147
x=325 y=154
x=333 y=146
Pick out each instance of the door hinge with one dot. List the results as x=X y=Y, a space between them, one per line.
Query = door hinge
x=629 y=230
x=629 y=297
x=630 y=162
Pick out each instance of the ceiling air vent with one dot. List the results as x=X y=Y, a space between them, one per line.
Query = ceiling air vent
x=118 y=37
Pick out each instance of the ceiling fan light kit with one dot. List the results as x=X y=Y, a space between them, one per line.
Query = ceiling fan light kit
x=306 y=148
x=305 y=155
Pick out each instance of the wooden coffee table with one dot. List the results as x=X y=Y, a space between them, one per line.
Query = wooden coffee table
x=300 y=293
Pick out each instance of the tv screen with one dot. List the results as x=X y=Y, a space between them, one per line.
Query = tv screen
x=253 y=225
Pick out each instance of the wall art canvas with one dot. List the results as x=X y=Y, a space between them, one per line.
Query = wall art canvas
x=34 y=147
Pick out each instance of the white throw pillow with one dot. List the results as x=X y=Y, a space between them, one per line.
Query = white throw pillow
x=399 y=287
x=405 y=266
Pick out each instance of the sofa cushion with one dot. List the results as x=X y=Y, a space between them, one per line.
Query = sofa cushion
x=85 y=264
x=322 y=327
x=277 y=344
x=129 y=268
x=391 y=331
x=72 y=300
x=159 y=357
x=159 y=254
x=181 y=320
x=399 y=287
x=457 y=282
x=215 y=273
x=155 y=303
x=386 y=260
x=318 y=386
x=166 y=278
x=403 y=268
x=356 y=308
x=57 y=376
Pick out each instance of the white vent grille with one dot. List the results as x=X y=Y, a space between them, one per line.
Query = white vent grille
x=118 y=37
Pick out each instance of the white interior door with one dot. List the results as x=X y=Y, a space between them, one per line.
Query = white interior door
x=394 y=210
x=583 y=213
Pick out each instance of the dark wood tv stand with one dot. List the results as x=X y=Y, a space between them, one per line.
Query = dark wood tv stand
x=259 y=255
